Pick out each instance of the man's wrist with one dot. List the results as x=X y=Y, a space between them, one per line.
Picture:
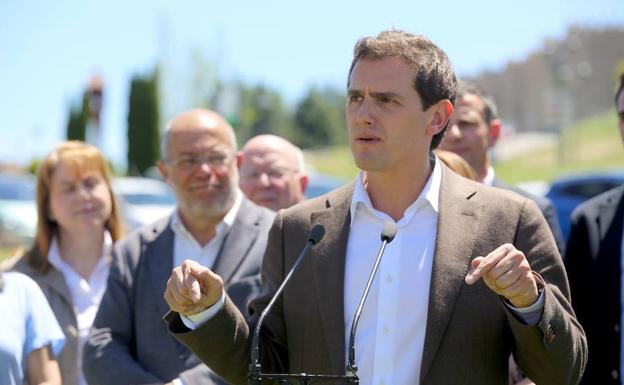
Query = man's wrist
x=194 y=321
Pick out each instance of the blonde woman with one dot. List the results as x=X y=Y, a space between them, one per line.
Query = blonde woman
x=77 y=224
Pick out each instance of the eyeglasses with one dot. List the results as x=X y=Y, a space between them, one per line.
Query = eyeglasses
x=273 y=174
x=217 y=162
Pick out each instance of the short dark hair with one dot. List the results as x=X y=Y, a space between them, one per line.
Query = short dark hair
x=490 y=111
x=620 y=89
x=435 y=78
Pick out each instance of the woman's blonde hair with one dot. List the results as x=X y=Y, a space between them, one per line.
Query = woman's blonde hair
x=80 y=157
x=456 y=163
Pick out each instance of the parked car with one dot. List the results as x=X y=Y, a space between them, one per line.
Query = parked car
x=143 y=200
x=568 y=192
x=18 y=210
x=319 y=184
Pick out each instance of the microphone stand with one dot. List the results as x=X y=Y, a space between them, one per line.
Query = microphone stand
x=256 y=376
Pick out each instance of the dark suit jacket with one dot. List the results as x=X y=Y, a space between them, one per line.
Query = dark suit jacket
x=129 y=343
x=593 y=264
x=470 y=332
x=547 y=208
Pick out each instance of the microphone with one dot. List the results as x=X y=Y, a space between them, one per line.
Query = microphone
x=387 y=235
x=316 y=234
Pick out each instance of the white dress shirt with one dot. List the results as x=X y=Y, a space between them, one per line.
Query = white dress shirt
x=185 y=246
x=86 y=294
x=489 y=177
x=391 y=332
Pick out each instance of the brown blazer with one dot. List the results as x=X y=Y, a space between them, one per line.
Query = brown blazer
x=470 y=333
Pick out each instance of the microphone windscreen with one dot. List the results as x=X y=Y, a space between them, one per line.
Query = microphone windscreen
x=389 y=231
x=316 y=233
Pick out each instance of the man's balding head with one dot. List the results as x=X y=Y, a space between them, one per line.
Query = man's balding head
x=272 y=172
x=198 y=119
x=198 y=161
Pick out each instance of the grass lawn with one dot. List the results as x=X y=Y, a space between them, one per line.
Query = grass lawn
x=591 y=144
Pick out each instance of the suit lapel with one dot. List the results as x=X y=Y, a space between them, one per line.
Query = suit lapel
x=237 y=242
x=459 y=213
x=158 y=260
x=54 y=280
x=329 y=268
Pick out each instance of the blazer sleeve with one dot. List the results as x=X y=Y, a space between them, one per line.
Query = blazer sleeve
x=224 y=342
x=107 y=356
x=555 y=350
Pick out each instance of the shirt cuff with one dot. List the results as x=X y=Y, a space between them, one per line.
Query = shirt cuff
x=194 y=321
x=529 y=315
x=177 y=381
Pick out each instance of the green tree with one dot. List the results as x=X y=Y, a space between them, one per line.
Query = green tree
x=262 y=112
x=143 y=119
x=77 y=122
x=319 y=119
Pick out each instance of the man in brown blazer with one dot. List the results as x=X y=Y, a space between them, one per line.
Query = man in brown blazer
x=472 y=275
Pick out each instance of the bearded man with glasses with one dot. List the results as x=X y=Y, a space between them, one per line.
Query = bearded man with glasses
x=214 y=224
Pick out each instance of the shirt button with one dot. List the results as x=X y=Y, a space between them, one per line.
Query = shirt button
x=616 y=328
x=614 y=374
x=386 y=329
x=389 y=279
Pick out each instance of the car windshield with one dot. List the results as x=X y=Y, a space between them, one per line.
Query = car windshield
x=148 y=199
x=17 y=187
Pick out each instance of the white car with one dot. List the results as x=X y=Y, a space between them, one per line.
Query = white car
x=143 y=200
x=18 y=210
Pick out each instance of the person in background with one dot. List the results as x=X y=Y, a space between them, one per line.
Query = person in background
x=30 y=337
x=473 y=132
x=70 y=259
x=272 y=172
x=213 y=224
x=595 y=265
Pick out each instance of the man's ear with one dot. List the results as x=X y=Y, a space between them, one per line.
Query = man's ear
x=440 y=113
x=239 y=159
x=163 y=169
x=494 y=132
x=303 y=181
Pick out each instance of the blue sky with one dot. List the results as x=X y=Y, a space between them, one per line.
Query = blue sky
x=49 y=49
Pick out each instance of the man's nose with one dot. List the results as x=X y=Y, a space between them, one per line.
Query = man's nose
x=363 y=113
x=264 y=180
x=453 y=132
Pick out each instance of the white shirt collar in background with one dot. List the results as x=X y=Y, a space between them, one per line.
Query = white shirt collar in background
x=187 y=247
x=86 y=294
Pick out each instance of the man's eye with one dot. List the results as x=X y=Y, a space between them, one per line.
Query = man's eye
x=355 y=98
x=187 y=161
x=216 y=160
x=275 y=174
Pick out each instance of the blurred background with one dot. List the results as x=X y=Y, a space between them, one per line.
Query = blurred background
x=113 y=73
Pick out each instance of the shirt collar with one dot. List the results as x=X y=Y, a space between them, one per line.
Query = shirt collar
x=54 y=254
x=222 y=228
x=489 y=177
x=430 y=193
